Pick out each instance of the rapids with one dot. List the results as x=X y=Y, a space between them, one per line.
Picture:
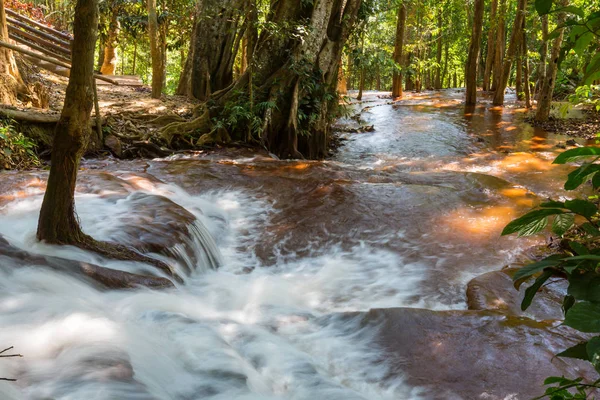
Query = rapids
x=274 y=254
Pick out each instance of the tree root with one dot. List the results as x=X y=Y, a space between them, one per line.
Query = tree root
x=202 y=124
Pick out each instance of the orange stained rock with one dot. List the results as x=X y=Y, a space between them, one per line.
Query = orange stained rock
x=522 y=162
x=474 y=222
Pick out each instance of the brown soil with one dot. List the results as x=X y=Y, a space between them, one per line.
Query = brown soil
x=586 y=128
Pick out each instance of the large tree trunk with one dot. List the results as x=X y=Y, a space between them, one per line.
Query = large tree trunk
x=491 y=46
x=473 y=57
x=58 y=222
x=110 y=46
x=438 y=57
x=398 y=50
x=545 y=98
x=155 y=53
x=217 y=35
x=10 y=79
x=525 y=68
x=499 y=46
x=510 y=53
x=342 y=87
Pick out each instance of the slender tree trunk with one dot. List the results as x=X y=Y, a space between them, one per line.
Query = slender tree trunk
x=361 y=84
x=525 y=68
x=110 y=46
x=58 y=222
x=499 y=46
x=157 y=72
x=519 y=71
x=472 y=59
x=491 y=46
x=510 y=53
x=545 y=100
x=10 y=79
x=541 y=70
x=445 y=76
x=342 y=87
x=438 y=58
x=398 y=50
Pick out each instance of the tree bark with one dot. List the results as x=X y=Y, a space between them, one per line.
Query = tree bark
x=499 y=46
x=545 y=100
x=491 y=46
x=155 y=53
x=110 y=46
x=398 y=50
x=541 y=70
x=473 y=56
x=58 y=222
x=510 y=53
x=525 y=67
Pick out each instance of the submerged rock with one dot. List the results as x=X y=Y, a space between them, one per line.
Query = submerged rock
x=495 y=291
x=474 y=354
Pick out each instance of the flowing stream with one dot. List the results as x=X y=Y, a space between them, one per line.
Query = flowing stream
x=274 y=256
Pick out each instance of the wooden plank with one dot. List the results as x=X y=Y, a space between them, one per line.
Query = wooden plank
x=52 y=31
x=14 y=22
x=124 y=80
x=39 y=41
x=34 y=46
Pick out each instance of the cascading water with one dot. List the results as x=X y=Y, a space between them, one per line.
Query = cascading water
x=275 y=258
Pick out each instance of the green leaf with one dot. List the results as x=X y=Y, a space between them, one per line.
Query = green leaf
x=585 y=286
x=579 y=351
x=596 y=181
x=568 y=302
x=562 y=223
x=536 y=267
x=543 y=6
x=532 y=290
x=2 y=136
x=593 y=352
x=578 y=248
x=571 y=10
x=590 y=229
x=584 y=316
x=580 y=175
x=582 y=207
x=589 y=257
x=553 y=204
x=531 y=223
x=592 y=70
x=574 y=154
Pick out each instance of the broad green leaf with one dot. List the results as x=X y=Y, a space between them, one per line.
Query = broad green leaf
x=584 y=316
x=578 y=351
x=593 y=352
x=592 y=70
x=574 y=154
x=562 y=223
x=582 y=207
x=580 y=175
x=585 y=286
x=532 y=290
x=553 y=204
x=531 y=223
x=571 y=10
x=578 y=248
x=590 y=229
x=568 y=302
x=589 y=257
x=536 y=267
x=543 y=6
x=2 y=136
x=596 y=181
x=582 y=43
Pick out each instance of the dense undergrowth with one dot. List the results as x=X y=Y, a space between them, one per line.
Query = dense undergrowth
x=17 y=151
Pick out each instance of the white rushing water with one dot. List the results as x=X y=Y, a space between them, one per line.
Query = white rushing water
x=222 y=335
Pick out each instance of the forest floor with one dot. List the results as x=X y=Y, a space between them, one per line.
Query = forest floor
x=587 y=126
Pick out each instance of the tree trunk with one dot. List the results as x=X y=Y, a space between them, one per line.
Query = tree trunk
x=398 y=50
x=519 y=69
x=342 y=84
x=545 y=99
x=510 y=53
x=473 y=56
x=135 y=52
x=525 y=67
x=110 y=46
x=499 y=46
x=541 y=70
x=438 y=58
x=361 y=84
x=491 y=46
x=445 y=75
x=217 y=34
x=58 y=222
x=157 y=71
x=10 y=79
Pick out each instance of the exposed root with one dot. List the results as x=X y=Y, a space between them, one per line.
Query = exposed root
x=201 y=125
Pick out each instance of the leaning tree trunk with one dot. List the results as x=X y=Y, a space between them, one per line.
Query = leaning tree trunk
x=473 y=57
x=58 y=222
x=398 y=50
x=541 y=70
x=499 y=46
x=155 y=53
x=512 y=51
x=218 y=31
x=545 y=99
x=110 y=46
x=10 y=79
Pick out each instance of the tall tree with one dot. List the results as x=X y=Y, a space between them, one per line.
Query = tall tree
x=491 y=46
x=109 y=63
x=541 y=69
x=499 y=45
x=473 y=57
x=155 y=53
x=398 y=51
x=525 y=58
x=438 y=58
x=511 y=53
